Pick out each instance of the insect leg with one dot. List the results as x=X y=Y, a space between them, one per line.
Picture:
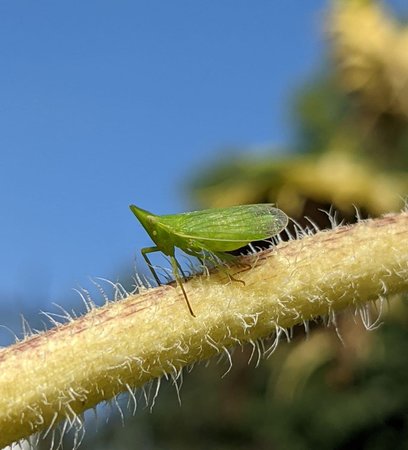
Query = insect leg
x=175 y=266
x=197 y=255
x=144 y=252
x=228 y=258
x=181 y=270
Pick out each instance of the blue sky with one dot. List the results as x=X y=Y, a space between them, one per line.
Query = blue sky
x=106 y=103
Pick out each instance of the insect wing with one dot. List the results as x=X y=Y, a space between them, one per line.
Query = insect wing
x=237 y=223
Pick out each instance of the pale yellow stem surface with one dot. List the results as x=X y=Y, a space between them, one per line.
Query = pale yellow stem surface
x=63 y=372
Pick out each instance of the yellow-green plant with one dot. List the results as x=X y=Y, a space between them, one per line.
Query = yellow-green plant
x=57 y=375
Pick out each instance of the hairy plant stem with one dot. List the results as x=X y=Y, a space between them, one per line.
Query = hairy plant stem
x=60 y=373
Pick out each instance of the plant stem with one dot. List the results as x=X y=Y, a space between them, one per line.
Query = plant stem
x=61 y=373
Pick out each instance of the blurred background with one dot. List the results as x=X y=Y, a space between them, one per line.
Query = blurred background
x=183 y=105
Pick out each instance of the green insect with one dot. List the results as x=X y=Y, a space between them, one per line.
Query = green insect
x=211 y=231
